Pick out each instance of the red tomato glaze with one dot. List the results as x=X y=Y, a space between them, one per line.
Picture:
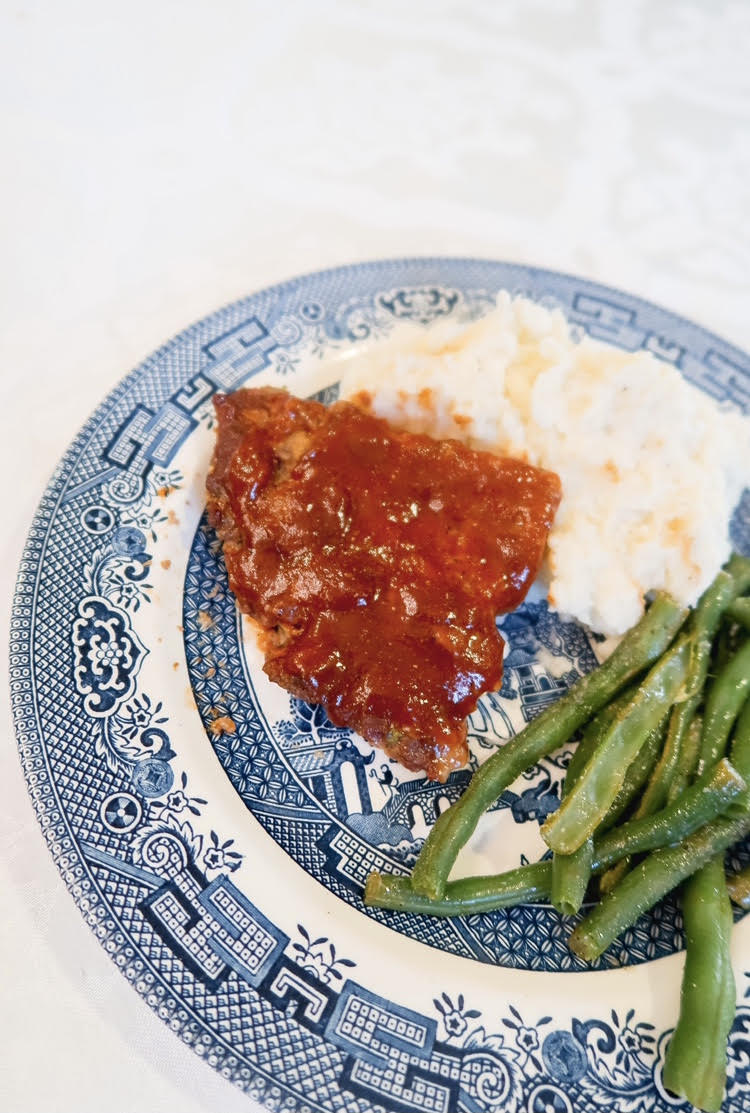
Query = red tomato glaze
x=375 y=562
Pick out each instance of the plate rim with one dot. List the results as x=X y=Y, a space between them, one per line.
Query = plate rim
x=22 y=695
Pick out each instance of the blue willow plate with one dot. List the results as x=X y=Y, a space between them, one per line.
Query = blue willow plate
x=216 y=833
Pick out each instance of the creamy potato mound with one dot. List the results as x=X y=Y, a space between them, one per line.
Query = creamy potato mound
x=651 y=467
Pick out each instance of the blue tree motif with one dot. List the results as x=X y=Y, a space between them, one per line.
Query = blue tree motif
x=138 y=715
x=634 y=1041
x=178 y=801
x=309 y=723
x=219 y=855
x=163 y=481
x=526 y=1036
x=319 y=957
x=146 y=519
x=285 y=363
x=454 y=1018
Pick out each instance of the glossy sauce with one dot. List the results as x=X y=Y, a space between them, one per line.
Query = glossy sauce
x=376 y=562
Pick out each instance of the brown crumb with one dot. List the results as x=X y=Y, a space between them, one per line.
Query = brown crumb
x=205 y=621
x=167 y=489
x=166 y=564
x=175 y=664
x=224 y=724
x=172 y=518
x=426 y=398
x=461 y=420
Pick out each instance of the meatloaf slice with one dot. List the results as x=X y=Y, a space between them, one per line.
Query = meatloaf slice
x=375 y=562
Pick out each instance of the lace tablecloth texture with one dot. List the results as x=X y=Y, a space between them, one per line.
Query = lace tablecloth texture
x=162 y=159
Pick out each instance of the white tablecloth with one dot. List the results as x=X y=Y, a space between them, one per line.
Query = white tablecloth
x=161 y=158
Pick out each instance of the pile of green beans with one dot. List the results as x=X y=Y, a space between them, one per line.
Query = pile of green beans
x=656 y=791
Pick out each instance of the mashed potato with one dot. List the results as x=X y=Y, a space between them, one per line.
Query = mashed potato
x=651 y=467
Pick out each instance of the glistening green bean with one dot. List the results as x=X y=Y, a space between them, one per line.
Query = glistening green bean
x=640 y=647
x=697 y=805
x=571 y=872
x=656 y=876
x=464 y=897
x=740 y=612
x=676 y=764
x=592 y=736
x=691 y=745
x=681 y=817
x=696 y=1060
x=533 y=882
x=581 y=812
x=727 y=694
x=740 y=749
x=664 y=869
x=636 y=776
x=701 y=629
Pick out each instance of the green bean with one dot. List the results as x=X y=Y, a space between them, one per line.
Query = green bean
x=738 y=567
x=656 y=876
x=571 y=872
x=740 y=749
x=592 y=736
x=726 y=644
x=640 y=647
x=696 y=1059
x=701 y=628
x=738 y=887
x=676 y=764
x=464 y=897
x=681 y=805
x=739 y=610
x=611 y=878
x=691 y=744
x=699 y=804
x=728 y=692
x=726 y=697
x=534 y=882
x=581 y=812
x=636 y=776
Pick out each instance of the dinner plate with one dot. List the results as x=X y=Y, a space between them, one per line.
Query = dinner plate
x=216 y=833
